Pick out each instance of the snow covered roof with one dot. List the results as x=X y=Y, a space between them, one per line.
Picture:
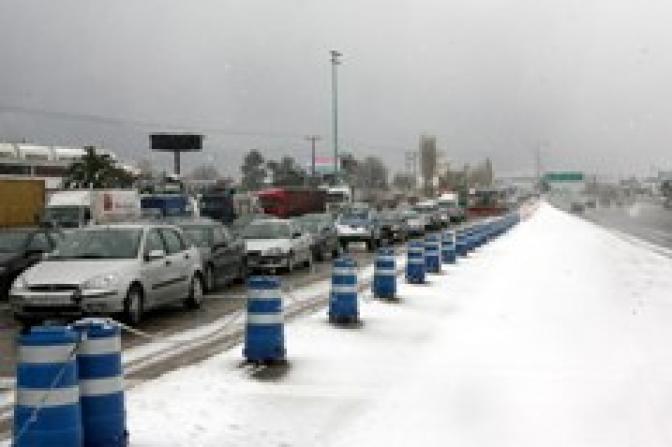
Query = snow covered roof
x=7 y=150
x=68 y=153
x=34 y=152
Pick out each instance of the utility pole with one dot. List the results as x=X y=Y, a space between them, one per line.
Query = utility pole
x=537 y=162
x=335 y=61
x=312 y=139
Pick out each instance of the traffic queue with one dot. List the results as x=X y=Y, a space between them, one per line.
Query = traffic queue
x=121 y=254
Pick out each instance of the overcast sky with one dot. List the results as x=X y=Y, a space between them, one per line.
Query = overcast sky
x=587 y=81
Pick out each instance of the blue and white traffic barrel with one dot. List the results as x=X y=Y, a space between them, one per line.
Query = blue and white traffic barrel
x=264 y=329
x=471 y=239
x=461 y=243
x=385 y=274
x=47 y=410
x=101 y=383
x=481 y=237
x=448 y=255
x=343 y=307
x=415 y=262
x=433 y=253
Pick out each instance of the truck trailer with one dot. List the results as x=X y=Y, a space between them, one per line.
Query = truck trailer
x=21 y=202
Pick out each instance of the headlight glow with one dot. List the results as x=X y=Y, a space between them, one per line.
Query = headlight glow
x=20 y=283
x=101 y=282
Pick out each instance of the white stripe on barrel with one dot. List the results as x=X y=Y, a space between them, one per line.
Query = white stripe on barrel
x=55 y=397
x=45 y=354
x=101 y=387
x=272 y=318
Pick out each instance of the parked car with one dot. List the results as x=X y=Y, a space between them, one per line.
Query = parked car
x=114 y=269
x=358 y=224
x=577 y=207
x=20 y=248
x=432 y=213
x=273 y=244
x=416 y=223
x=322 y=228
x=450 y=207
x=393 y=226
x=222 y=254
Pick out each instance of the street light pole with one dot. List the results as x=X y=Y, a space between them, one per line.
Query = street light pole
x=312 y=139
x=334 y=104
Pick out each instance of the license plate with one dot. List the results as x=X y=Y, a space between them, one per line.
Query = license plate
x=53 y=300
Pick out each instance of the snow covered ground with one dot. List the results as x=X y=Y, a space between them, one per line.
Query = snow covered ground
x=556 y=334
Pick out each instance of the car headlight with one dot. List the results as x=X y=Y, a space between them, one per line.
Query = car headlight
x=101 y=282
x=20 y=283
x=274 y=251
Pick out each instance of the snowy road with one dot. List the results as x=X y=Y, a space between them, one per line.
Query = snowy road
x=556 y=334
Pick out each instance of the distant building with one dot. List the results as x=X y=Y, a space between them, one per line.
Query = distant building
x=45 y=162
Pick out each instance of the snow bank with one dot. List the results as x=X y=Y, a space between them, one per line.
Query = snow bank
x=555 y=334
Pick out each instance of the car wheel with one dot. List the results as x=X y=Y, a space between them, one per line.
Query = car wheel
x=26 y=323
x=195 y=298
x=370 y=244
x=337 y=251
x=242 y=273
x=319 y=254
x=134 y=306
x=210 y=282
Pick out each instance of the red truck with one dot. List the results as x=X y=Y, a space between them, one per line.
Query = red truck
x=287 y=202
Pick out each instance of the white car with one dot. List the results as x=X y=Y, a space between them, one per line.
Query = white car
x=273 y=244
x=416 y=222
x=113 y=269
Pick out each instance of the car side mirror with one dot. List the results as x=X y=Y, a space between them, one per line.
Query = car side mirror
x=155 y=254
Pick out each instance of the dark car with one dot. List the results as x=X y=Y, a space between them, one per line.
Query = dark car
x=222 y=254
x=20 y=248
x=322 y=228
x=577 y=207
x=393 y=226
x=218 y=205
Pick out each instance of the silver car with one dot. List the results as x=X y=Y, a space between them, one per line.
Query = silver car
x=113 y=269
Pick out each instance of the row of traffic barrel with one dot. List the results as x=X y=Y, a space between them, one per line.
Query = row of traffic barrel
x=427 y=256
x=264 y=329
x=70 y=391
x=69 y=386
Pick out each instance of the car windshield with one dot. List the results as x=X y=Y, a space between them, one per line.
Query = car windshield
x=310 y=225
x=13 y=240
x=65 y=216
x=389 y=217
x=103 y=243
x=423 y=209
x=243 y=221
x=355 y=215
x=267 y=230
x=201 y=236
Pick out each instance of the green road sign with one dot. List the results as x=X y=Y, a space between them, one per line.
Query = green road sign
x=569 y=176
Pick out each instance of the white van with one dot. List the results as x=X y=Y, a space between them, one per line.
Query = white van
x=81 y=207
